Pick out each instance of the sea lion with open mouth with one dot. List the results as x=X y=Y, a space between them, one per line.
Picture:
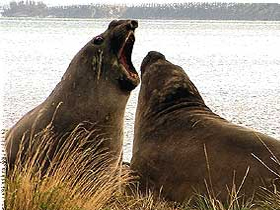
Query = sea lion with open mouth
x=181 y=146
x=95 y=88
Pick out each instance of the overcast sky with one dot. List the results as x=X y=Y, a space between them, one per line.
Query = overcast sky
x=69 y=2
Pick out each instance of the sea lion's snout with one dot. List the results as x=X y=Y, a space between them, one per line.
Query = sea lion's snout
x=132 y=24
x=151 y=57
x=121 y=39
x=155 y=54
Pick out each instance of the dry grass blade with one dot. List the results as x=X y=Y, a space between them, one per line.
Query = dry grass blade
x=210 y=202
x=77 y=178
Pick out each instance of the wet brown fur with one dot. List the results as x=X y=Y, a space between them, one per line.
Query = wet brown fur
x=177 y=136
x=94 y=88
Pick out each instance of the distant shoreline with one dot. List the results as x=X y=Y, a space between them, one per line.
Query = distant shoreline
x=109 y=19
x=151 y=11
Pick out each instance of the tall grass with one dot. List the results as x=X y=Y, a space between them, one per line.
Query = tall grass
x=82 y=176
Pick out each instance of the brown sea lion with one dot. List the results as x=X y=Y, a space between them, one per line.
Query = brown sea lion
x=94 y=88
x=181 y=146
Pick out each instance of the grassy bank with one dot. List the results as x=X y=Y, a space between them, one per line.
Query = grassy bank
x=86 y=179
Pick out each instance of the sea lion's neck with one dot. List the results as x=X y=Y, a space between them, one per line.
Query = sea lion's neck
x=105 y=111
x=182 y=105
x=178 y=104
x=84 y=98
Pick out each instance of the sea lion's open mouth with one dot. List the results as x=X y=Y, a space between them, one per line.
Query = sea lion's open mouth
x=125 y=56
x=131 y=78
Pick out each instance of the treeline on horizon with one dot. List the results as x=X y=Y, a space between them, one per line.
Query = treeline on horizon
x=188 y=11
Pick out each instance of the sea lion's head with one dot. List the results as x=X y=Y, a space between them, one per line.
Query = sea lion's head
x=107 y=57
x=99 y=79
x=164 y=84
x=116 y=43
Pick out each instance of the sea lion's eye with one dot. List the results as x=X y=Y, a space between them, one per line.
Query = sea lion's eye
x=98 y=40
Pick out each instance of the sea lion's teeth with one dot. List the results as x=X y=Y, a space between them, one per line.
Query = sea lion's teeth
x=125 y=55
x=131 y=37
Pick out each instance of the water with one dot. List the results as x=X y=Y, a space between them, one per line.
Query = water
x=235 y=65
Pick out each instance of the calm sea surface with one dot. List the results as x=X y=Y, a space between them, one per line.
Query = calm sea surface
x=235 y=65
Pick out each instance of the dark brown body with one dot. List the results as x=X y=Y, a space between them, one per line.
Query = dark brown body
x=95 y=88
x=175 y=133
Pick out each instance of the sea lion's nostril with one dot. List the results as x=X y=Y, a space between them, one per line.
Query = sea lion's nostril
x=151 y=57
x=133 y=24
x=156 y=55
